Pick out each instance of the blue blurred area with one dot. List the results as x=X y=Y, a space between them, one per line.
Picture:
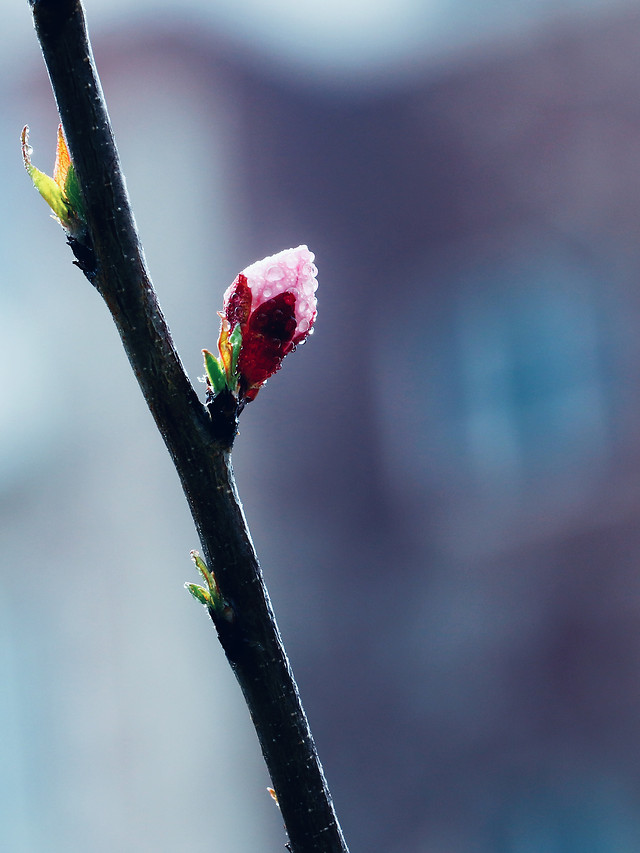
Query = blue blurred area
x=443 y=484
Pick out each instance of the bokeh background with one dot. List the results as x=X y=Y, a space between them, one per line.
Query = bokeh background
x=443 y=484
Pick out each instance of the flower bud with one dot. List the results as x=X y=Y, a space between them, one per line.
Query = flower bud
x=269 y=309
x=62 y=191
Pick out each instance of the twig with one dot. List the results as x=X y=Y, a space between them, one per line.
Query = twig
x=114 y=262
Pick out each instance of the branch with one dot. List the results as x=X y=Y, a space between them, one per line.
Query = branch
x=113 y=260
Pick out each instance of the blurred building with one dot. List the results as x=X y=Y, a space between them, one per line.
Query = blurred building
x=443 y=485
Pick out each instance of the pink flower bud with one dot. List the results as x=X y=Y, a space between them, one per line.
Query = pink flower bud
x=273 y=301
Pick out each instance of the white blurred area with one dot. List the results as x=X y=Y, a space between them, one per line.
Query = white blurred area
x=355 y=39
x=122 y=727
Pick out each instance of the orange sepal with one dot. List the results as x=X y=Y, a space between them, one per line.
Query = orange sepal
x=224 y=346
x=63 y=160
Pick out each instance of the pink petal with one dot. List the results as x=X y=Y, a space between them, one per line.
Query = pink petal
x=291 y=271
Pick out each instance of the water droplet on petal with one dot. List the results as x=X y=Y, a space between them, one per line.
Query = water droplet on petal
x=274 y=273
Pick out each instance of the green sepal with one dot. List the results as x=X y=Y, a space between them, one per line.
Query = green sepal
x=201 y=566
x=199 y=593
x=235 y=339
x=73 y=194
x=211 y=596
x=215 y=372
x=50 y=192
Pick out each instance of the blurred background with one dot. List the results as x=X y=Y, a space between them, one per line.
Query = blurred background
x=443 y=485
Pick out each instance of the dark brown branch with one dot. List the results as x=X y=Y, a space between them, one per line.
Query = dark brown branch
x=200 y=450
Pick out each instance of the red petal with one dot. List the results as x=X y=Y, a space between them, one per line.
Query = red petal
x=266 y=340
x=276 y=318
x=238 y=305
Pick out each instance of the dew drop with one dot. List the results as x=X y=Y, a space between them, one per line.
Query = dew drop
x=274 y=273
